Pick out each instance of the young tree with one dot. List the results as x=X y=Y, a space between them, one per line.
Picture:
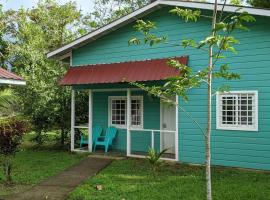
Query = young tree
x=219 y=41
x=11 y=133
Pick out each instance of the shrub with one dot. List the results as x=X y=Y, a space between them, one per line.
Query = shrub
x=153 y=158
x=11 y=133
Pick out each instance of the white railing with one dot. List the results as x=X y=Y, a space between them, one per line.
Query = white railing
x=153 y=131
x=83 y=149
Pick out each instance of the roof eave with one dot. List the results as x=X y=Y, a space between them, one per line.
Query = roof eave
x=210 y=6
x=5 y=81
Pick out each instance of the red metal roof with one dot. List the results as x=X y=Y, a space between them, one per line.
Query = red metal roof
x=4 y=74
x=147 y=70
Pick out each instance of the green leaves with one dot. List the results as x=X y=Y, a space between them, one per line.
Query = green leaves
x=145 y=29
x=225 y=74
x=37 y=31
x=189 y=43
x=186 y=14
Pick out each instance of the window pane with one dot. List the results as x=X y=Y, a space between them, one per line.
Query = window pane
x=237 y=109
x=118 y=112
x=136 y=112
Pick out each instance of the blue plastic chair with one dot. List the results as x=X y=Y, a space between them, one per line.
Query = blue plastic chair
x=96 y=132
x=106 y=140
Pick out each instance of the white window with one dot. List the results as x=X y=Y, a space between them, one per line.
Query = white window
x=237 y=110
x=118 y=112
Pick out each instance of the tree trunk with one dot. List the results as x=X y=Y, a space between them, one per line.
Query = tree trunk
x=7 y=171
x=209 y=113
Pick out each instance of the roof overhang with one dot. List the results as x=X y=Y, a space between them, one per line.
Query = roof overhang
x=11 y=82
x=135 y=71
x=9 y=78
x=143 y=12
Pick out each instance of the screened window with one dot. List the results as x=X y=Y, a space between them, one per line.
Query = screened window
x=118 y=112
x=237 y=111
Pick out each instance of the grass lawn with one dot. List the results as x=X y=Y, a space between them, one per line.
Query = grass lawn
x=32 y=165
x=131 y=179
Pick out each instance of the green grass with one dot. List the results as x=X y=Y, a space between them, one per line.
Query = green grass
x=131 y=179
x=31 y=165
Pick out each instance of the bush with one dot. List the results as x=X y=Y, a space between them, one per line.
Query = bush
x=153 y=158
x=11 y=133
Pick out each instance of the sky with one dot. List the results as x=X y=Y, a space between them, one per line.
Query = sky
x=85 y=5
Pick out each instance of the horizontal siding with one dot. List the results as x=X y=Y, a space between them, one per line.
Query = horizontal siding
x=230 y=148
x=140 y=141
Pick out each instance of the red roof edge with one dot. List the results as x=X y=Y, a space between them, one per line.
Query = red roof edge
x=5 y=74
x=145 y=70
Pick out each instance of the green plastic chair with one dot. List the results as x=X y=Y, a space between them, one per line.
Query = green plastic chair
x=96 y=132
x=106 y=140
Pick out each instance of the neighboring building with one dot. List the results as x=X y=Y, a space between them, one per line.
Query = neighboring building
x=9 y=78
x=102 y=59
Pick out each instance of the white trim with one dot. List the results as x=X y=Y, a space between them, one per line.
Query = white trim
x=110 y=98
x=239 y=127
x=153 y=132
x=141 y=156
x=81 y=127
x=210 y=6
x=145 y=10
x=90 y=120
x=140 y=97
x=176 y=129
x=70 y=60
x=128 y=121
x=72 y=131
x=69 y=54
x=12 y=81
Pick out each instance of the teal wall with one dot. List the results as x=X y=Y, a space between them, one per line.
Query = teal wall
x=140 y=141
x=230 y=148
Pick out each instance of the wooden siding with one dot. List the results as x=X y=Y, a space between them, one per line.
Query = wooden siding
x=140 y=141
x=229 y=148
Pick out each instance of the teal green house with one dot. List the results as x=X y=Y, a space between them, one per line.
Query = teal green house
x=102 y=59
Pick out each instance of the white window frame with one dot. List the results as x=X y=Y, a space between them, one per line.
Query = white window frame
x=221 y=126
x=125 y=98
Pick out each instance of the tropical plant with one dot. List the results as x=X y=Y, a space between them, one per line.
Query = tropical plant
x=11 y=133
x=153 y=157
x=221 y=40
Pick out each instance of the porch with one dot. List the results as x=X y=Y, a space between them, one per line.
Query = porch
x=142 y=122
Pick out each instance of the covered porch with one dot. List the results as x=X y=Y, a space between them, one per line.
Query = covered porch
x=142 y=121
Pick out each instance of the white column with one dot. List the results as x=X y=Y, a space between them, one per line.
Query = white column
x=72 y=130
x=90 y=120
x=128 y=120
x=176 y=128
x=152 y=139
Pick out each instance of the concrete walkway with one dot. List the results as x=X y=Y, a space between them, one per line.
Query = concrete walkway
x=58 y=187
